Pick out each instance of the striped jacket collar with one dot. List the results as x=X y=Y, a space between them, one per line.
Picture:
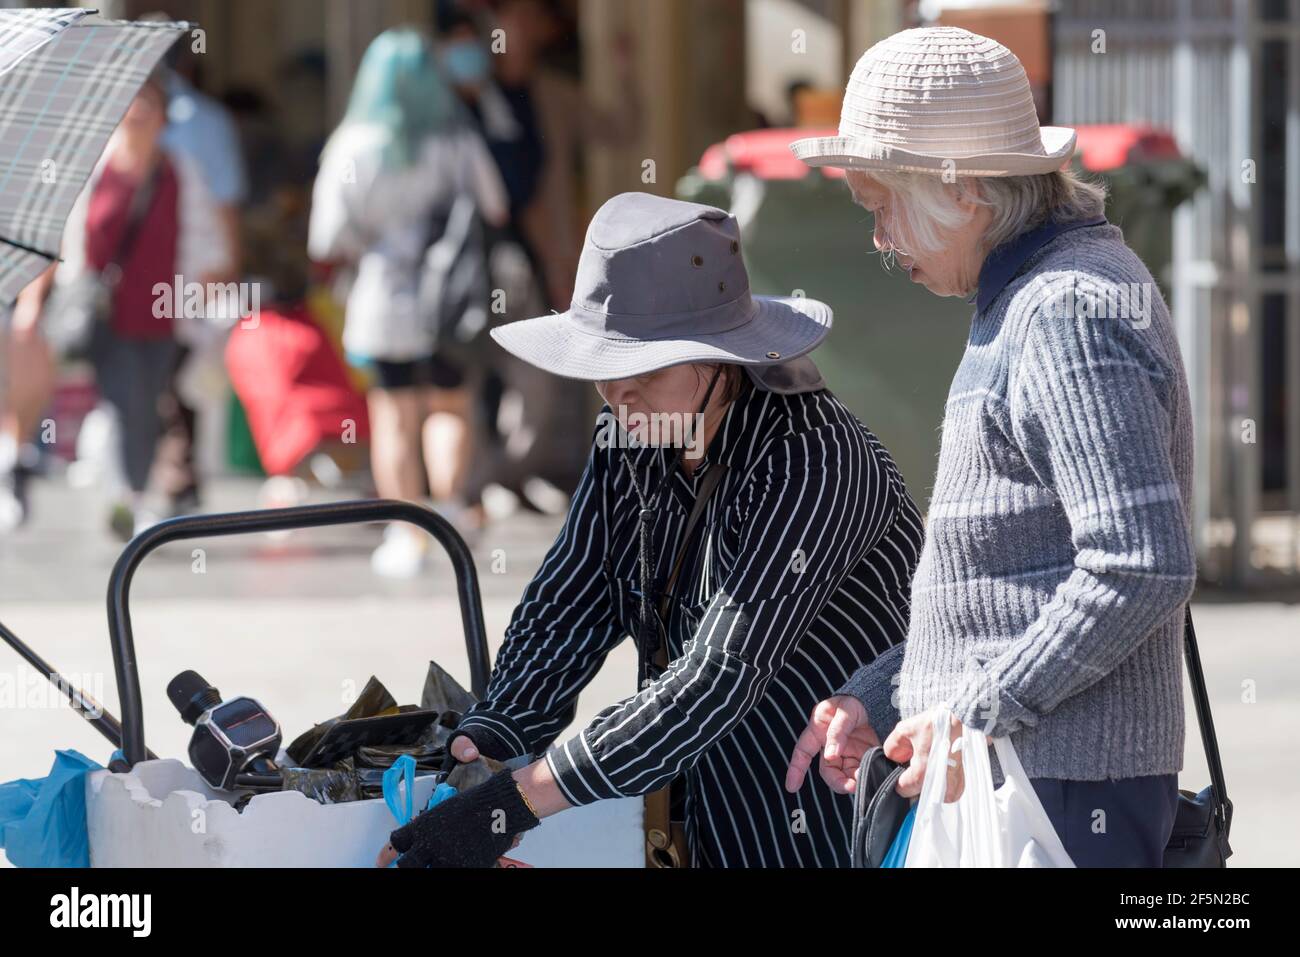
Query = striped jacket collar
x=744 y=429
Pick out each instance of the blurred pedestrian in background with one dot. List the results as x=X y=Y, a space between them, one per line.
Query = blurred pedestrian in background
x=26 y=382
x=394 y=181
x=203 y=130
x=535 y=121
x=138 y=180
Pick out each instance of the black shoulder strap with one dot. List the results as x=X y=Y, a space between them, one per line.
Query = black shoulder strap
x=1206 y=721
x=141 y=200
x=712 y=479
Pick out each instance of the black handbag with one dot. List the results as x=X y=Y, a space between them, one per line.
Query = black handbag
x=1201 y=823
x=878 y=809
x=75 y=309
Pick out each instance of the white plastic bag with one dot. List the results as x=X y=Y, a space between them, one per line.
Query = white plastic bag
x=1006 y=827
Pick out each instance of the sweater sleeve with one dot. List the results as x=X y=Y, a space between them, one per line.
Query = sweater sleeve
x=803 y=518
x=873 y=684
x=1089 y=411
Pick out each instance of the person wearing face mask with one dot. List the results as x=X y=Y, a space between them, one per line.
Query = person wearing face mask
x=753 y=538
x=508 y=123
x=536 y=121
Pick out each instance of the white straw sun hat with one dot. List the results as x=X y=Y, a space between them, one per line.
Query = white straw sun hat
x=940 y=99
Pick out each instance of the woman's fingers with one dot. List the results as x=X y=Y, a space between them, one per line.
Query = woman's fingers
x=956 y=772
x=843 y=723
x=463 y=750
x=910 y=781
x=806 y=749
x=909 y=743
x=840 y=779
x=898 y=746
x=956 y=778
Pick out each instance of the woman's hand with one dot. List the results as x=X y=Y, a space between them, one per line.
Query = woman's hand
x=909 y=743
x=470 y=829
x=840 y=733
x=464 y=750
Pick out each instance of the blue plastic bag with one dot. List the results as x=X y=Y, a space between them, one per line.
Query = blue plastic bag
x=402 y=771
x=43 y=820
x=897 y=853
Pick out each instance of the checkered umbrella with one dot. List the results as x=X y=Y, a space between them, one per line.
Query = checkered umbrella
x=66 y=80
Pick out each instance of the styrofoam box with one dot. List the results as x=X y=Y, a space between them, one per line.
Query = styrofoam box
x=162 y=814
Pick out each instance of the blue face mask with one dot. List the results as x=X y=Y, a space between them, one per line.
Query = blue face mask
x=465 y=61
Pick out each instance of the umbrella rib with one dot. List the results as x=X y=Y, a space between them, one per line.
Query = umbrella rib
x=30 y=249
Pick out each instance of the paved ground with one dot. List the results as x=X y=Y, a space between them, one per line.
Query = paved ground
x=297 y=622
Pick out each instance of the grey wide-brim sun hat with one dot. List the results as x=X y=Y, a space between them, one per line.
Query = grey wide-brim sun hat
x=662 y=282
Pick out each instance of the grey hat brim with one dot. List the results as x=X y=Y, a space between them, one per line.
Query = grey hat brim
x=781 y=329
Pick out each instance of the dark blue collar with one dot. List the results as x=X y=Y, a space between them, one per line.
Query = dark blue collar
x=1002 y=264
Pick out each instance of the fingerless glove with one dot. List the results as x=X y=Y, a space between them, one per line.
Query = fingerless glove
x=472 y=829
x=488 y=744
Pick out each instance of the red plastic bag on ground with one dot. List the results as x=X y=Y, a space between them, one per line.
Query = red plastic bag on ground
x=294 y=387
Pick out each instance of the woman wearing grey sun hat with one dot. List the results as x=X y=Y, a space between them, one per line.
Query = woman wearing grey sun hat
x=751 y=536
x=1048 y=605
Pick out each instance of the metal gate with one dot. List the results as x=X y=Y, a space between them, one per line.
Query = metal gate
x=1224 y=77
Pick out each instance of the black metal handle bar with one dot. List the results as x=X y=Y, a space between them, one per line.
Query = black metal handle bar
x=274 y=520
x=100 y=718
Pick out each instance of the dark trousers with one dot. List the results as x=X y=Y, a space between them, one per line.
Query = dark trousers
x=1123 y=823
x=132 y=375
x=175 y=474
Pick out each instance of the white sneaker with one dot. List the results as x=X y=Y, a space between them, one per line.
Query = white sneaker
x=282 y=491
x=402 y=553
x=12 y=512
x=545 y=497
x=145 y=519
x=499 y=502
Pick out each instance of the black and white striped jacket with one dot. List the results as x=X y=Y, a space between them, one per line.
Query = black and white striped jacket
x=799 y=572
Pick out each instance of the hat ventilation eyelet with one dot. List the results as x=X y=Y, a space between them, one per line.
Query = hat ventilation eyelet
x=697 y=261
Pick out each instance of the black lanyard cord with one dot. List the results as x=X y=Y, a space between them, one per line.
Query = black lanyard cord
x=649 y=632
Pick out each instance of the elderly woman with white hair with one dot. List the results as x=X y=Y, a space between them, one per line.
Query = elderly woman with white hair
x=1048 y=602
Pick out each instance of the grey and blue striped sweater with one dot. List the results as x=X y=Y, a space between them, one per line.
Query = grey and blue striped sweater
x=1058 y=556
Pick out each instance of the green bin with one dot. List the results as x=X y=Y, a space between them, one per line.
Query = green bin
x=895 y=346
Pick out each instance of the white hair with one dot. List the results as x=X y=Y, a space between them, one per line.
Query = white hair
x=925 y=208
